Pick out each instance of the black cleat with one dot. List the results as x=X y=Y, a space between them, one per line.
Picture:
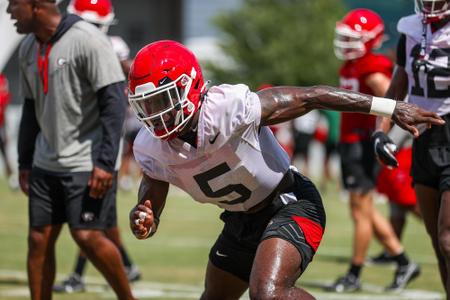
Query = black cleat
x=74 y=283
x=403 y=276
x=381 y=259
x=347 y=283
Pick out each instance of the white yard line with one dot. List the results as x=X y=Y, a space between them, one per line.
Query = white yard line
x=149 y=290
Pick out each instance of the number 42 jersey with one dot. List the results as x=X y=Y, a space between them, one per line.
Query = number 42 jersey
x=235 y=164
x=428 y=80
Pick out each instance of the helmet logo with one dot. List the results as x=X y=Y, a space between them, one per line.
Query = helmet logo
x=164 y=81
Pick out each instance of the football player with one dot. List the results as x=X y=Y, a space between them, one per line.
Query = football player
x=357 y=34
x=423 y=74
x=215 y=145
x=5 y=97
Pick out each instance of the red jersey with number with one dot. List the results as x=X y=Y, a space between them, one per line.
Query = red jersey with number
x=4 y=98
x=353 y=74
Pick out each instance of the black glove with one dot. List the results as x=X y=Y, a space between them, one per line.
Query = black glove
x=385 y=149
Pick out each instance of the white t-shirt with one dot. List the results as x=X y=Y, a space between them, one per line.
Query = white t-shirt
x=235 y=165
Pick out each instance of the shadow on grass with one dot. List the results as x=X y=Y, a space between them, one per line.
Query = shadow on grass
x=334 y=258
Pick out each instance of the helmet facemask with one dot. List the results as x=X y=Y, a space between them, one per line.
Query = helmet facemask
x=432 y=10
x=166 y=109
x=350 y=44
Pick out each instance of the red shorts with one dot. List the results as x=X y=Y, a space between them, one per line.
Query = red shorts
x=396 y=184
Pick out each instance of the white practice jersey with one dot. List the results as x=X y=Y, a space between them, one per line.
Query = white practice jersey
x=235 y=165
x=430 y=88
x=120 y=47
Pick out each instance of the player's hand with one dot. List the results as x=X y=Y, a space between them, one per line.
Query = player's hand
x=141 y=220
x=99 y=183
x=407 y=115
x=385 y=149
x=24 y=180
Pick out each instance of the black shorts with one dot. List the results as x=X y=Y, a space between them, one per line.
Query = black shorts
x=359 y=168
x=56 y=198
x=431 y=157
x=297 y=216
x=302 y=141
x=330 y=148
x=3 y=138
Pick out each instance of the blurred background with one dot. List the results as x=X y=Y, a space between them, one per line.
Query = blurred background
x=278 y=42
x=282 y=42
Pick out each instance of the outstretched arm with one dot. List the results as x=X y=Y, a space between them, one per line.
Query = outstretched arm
x=280 y=104
x=144 y=217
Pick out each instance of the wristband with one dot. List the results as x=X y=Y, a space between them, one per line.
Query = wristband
x=383 y=107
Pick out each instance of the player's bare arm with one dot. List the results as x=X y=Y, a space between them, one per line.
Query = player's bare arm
x=280 y=104
x=397 y=90
x=144 y=217
x=378 y=83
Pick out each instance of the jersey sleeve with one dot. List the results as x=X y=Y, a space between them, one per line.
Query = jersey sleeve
x=231 y=109
x=120 y=47
x=142 y=154
x=100 y=62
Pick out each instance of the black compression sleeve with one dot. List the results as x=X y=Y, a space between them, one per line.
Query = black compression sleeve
x=401 y=51
x=112 y=106
x=28 y=131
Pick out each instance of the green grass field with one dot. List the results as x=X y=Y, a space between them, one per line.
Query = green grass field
x=173 y=261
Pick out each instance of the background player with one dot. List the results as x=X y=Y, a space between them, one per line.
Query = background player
x=359 y=32
x=396 y=184
x=101 y=14
x=5 y=97
x=422 y=75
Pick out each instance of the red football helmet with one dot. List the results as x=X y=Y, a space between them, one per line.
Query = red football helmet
x=432 y=10
x=360 y=31
x=165 y=86
x=99 y=12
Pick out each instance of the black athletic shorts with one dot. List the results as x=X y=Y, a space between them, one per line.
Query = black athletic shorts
x=359 y=168
x=302 y=141
x=296 y=215
x=431 y=157
x=56 y=198
x=330 y=148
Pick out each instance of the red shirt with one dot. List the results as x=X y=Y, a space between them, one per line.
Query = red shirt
x=4 y=97
x=354 y=126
